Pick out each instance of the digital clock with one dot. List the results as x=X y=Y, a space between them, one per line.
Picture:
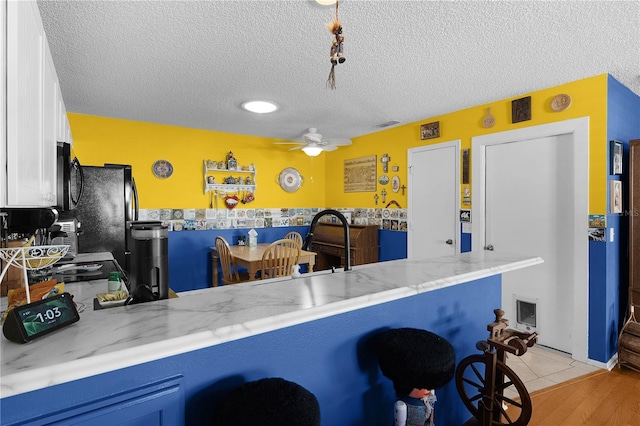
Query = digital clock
x=27 y=322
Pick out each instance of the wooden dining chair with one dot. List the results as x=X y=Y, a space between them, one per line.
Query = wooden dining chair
x=278 y=259
x=230 y=274
x=293 y=235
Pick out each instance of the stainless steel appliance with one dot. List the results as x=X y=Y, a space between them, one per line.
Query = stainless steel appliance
x=27 y=221
x=69 y=179
x=65 y=232
x=149 y=257
x=109 y=201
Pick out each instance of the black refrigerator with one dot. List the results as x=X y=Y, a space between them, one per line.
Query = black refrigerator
x=109 y=202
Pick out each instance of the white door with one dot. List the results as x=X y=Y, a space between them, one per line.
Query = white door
x=528 y=191
x=531 y=198
x=434 y=200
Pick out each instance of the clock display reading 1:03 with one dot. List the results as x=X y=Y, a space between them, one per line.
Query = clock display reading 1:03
x=27 y=322
x=39 y=321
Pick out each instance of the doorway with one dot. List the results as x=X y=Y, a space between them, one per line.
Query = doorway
x=531 y=198
x=434 y=200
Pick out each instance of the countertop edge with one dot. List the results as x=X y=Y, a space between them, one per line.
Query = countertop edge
x=38 y=378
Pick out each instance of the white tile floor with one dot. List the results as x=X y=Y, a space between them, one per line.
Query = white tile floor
x=541 y=367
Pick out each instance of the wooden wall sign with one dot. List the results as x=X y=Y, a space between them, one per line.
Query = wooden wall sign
x=465 y=166
x=360 y=174
x=521 y=109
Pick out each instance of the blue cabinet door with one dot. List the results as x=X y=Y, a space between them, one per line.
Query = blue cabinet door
x=158 y=403
x=164 y=407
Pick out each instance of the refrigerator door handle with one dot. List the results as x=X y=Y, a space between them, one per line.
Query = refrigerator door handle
x=134 y=189
x=76 y=167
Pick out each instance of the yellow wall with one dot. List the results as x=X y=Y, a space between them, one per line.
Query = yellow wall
x=589 y=98
x=105 y=140
x=99 y=140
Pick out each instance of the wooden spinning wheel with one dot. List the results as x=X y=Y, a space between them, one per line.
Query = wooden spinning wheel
x=491 y=391
x=507 y=404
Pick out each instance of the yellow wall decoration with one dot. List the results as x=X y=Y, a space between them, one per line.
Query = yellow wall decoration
x=589 y=98
x=101 y=140
x=360 y=174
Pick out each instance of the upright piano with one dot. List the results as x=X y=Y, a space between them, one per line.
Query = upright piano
x=328 y=243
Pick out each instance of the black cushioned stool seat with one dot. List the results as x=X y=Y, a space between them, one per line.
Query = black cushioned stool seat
x=413 y=358
x=268 y=402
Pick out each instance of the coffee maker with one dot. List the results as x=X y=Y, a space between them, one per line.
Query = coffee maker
x=149 y=258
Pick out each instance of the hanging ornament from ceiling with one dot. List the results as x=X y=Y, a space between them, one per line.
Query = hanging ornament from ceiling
x=336 y=54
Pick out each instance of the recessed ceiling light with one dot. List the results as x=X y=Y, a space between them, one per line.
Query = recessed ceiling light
x=260 y=107
x=326 y=2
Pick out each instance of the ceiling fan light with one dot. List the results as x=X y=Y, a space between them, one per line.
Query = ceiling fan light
x=260 y=107
x=312 y=151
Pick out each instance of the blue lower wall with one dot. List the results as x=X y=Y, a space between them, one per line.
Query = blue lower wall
x=190 y=257
x=608 y=261
x=393 y=245
x=190 y=254
x=330 y=357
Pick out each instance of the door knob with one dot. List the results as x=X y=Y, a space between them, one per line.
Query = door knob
x=449 y=241
x=489 y=247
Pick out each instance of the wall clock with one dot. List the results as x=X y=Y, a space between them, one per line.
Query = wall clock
x=290 y=179
x=162 y=169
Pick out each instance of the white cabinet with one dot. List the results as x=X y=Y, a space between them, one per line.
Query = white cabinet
x=64 y=129
x=50 y=129
x=32 y=110
x=3 y=96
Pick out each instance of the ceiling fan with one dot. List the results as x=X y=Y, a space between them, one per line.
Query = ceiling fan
x=314 y=144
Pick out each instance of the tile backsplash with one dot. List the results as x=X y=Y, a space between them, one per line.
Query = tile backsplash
x=202 y=219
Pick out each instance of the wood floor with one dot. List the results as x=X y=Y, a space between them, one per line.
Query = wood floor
x=602 y=398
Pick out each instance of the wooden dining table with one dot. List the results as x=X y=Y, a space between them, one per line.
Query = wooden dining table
x=251 y=259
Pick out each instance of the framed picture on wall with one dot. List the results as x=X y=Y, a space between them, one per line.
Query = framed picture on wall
x=430 y=130
x=616 y=158
x=615 y=195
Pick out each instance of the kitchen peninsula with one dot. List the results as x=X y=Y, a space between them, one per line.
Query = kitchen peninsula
x=167 y=361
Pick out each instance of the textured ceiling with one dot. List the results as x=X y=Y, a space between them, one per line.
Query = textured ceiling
x=192 y=63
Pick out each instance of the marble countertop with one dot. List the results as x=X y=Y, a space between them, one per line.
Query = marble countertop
x=120 y=337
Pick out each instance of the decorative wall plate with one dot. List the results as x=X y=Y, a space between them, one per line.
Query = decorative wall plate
x=488 y=120
x=395 y=184
x=384 y=179
x=162 y=169
x=561 y=102
x=290 y=179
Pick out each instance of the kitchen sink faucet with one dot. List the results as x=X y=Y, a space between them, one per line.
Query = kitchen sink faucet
x=345 y=226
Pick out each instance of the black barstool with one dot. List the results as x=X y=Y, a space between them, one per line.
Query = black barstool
x=417 y=362
x=268 y=402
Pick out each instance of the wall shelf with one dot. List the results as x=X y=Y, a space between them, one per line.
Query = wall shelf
x=221 y=174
